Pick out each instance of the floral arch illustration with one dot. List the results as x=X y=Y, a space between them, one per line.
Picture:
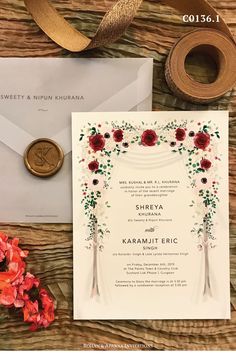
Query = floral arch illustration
x=196 y=141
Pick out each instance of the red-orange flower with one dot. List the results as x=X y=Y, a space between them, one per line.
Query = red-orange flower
x=12 y=256
x=47 y=315
x=21 y=290
x=30 y=311
x=39 y=316
x=8 y=295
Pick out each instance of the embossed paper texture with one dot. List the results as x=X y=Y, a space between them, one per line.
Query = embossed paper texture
x=150 y=211
x=37 y=97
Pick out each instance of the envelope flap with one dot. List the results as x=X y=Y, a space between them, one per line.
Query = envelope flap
x=18 y=139
x=132 y=94
x=45 y=113
x=14 y=137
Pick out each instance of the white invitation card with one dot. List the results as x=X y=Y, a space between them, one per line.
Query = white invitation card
x=150 y=211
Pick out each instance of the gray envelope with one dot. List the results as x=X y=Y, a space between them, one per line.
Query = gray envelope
x=37 y=97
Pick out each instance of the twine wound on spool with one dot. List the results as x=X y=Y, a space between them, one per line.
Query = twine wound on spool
x=215 y=44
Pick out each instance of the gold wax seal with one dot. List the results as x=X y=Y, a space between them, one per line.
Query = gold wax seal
x=43 y=157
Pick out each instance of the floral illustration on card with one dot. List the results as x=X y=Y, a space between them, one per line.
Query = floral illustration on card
x=195 y=141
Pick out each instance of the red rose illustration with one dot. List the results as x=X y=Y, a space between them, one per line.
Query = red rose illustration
x=118 y=135
x=93 y=166
x=202 y=140
x=205 y=164
x=180 y=134
x=149 y=138
x=97 y=142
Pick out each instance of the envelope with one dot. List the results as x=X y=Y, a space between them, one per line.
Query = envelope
x=37 y=97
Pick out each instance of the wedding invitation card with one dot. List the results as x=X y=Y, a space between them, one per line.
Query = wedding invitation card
x=37 y=96
x=150 y=211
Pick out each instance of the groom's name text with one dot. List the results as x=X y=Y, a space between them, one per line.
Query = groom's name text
x=153 y=240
